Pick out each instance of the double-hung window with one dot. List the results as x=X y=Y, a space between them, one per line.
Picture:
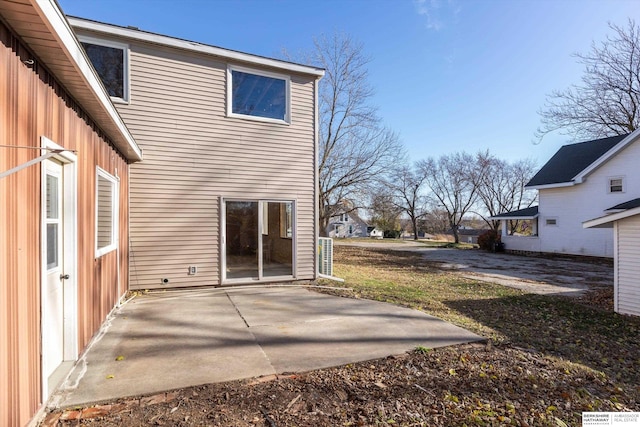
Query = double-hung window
x=111 y=61
x=106 y=212
x=616 y=185
x=258 y=95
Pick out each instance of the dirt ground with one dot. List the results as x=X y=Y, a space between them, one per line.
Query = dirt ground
x=467 y=384
x=473 y=384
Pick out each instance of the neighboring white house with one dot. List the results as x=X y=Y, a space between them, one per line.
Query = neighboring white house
x=577 y=184
x=625 y=221
x=346 y=225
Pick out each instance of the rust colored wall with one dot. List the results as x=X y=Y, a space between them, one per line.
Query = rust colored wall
x=33 y=104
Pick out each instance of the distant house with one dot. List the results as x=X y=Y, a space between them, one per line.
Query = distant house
x=469 y=235
x=346 y=225
x=227 y=192
x=65 y=160
x=625 y=221
x=577 y=184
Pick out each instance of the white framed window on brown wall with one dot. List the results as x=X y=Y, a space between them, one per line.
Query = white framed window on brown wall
x=111 y=61
x=106 y=212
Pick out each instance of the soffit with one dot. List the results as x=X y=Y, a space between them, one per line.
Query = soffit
x=43 y=28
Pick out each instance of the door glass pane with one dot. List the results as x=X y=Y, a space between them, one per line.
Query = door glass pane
x=52 y=246
x=52 y=197
x=277 y=253
x=242 y=239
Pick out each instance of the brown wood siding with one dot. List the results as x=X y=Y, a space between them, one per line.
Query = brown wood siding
x=194 y=155
x=33 y=104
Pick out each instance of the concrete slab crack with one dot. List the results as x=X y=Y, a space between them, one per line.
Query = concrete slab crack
x=255 y=340
x=237 y=310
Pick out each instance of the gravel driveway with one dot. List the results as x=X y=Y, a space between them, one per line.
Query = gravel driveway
x=546 y=275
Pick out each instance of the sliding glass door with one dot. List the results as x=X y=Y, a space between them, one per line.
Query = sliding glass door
x=258 y=240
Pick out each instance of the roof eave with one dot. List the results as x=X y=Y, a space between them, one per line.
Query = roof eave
x=608 y=220
x=606 y=156
x=135 y=34
x=498 y=217
x=69 y=64
x=554 y=185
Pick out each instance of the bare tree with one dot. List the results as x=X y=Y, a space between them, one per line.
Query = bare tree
x=452 y=180
x=385 y=215
x=435 y=221
x=405 y=185
x=353 y=147
x=607 y=103
x=501 y=187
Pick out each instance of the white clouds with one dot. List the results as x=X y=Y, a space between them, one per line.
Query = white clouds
x=438 y=13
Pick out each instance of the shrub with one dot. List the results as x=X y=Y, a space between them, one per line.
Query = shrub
x=490 y=241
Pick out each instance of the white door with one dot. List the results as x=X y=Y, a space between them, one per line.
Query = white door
x=53 y=295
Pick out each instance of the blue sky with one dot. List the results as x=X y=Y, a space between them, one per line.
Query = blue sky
x=449 y=75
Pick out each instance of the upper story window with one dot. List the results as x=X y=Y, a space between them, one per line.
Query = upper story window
x=258 y=95
x=111 y=61
x=616 y=185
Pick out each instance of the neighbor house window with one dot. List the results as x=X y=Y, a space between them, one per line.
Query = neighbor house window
x=106 y=212
x=551 y=221
x=258 y=95
x=616 y=185
x=111 y=61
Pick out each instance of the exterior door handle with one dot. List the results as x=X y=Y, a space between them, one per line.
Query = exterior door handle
x=64 y=277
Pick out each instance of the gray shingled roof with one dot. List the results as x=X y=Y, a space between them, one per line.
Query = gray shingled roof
x=626 y=205
x=572 y=159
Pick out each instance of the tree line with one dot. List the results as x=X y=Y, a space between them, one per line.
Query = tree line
x=362 y=164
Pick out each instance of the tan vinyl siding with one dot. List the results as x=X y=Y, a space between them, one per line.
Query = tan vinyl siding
x=34 y=104
x=628 y=267
x=194 y=155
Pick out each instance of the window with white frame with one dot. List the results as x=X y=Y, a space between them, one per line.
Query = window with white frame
x=616 y=185
x=106 y=212
x=258 y=95
x=111 y=61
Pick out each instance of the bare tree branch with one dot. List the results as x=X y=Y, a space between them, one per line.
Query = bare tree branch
x=607 y=102
x=354 y=148
x=453 y=180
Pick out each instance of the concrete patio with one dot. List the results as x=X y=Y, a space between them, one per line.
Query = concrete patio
x=174 y=339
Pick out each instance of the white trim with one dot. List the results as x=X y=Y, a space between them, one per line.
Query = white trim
x=145 y=36
x=607 y=219
x=114 y=212
x=70 y=253
x=556 y=185
x=316 y=183
x=126 y=70
x=223 y=242
x=616 y=269
x=506 y=218
x=607 y=156
x=75 y=53
x=287 y=84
